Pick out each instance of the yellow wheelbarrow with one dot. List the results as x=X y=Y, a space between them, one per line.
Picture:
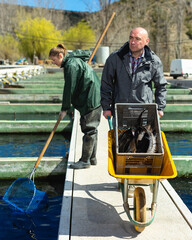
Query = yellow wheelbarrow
x=139 y=200
x=139 y=169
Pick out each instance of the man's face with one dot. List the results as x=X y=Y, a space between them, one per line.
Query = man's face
x=137 y=40
x=57 y=60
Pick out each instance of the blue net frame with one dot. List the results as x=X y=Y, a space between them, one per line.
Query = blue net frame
x=22 y=196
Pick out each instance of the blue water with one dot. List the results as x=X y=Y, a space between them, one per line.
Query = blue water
x=183 y=187
x=42 y=224
x=180 y=143
x=31 y=145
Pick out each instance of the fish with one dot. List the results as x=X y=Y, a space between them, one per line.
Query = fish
x=132 y=146
x=139 y=120
x=153 y=140
x=146 y=140
x=145 y=137
x=125 y=140
x=140 y=139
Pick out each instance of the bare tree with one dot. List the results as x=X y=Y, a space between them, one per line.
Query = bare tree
x=91 y=5
x=97 y=5
x=6 y=11
x=179 y=24
x=104 y=12
x=59 y=4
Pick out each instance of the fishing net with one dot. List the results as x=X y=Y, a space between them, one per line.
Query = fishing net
x=23 y=196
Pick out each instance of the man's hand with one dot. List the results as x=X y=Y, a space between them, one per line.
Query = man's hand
x=62 y=114
x=107 y=113
x=161 y=113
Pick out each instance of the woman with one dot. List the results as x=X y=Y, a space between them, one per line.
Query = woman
x=82 y=90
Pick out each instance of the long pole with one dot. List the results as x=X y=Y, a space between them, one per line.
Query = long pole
x=45 y=147
x=101 y=37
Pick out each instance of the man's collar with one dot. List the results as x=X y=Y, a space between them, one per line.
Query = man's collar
x=142 y=55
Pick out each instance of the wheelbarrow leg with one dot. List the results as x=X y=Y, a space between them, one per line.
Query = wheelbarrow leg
x=154 y=200
x=125 y=192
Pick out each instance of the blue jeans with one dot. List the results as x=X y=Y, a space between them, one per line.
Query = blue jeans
x=89 y=124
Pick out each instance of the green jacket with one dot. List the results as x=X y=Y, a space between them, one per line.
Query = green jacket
x=82 y=86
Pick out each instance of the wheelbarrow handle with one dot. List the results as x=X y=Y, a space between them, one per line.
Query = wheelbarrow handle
x=110 y=122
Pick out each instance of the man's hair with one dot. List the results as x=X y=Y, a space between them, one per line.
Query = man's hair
x=141 y=30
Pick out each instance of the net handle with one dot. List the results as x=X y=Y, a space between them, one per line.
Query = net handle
x=47 y=143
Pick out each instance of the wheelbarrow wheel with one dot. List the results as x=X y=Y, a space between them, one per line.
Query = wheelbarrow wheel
x=139 y=212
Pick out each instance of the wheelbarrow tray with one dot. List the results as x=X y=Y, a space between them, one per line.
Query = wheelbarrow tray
x=168 y=167
x=130 y=116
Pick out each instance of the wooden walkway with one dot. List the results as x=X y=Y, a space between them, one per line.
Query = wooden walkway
x=93 y=206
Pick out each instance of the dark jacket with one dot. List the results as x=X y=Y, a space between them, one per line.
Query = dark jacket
x=82 y=86
x=118 y=85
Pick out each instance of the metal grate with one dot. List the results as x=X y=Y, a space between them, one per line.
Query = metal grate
x=127 y=117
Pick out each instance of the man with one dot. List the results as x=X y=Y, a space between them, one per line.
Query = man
x=128 y=75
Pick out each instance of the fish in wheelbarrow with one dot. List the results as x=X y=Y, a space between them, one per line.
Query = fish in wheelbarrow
x=141 y=136
x=152 y=140
x=142 y=140
x=145 y=137
x=145 y=140
x=127 y=141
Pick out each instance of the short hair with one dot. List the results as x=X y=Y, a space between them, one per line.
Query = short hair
x=143 y=30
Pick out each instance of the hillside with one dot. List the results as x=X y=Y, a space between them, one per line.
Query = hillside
x=169 y=23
